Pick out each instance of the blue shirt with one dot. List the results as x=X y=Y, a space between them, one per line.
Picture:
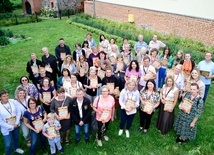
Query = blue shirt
x=138 y=45
x=203 y=65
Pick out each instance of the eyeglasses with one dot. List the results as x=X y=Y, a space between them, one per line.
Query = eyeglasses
x=32 y=103
x=24 y=79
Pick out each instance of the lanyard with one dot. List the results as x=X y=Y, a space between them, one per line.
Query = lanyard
x=166 y=94
x=145 y=71
x=10 y=112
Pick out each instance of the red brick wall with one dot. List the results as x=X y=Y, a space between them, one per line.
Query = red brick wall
x=184 y=26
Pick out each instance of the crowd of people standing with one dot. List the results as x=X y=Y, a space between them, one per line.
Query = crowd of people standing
x=94 y=81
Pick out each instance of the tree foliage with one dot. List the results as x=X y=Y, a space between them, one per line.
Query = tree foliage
x=6 y=6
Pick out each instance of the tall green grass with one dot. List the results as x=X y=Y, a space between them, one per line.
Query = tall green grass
x=13 y=59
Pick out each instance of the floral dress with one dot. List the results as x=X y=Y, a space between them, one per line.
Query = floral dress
x=183 y=120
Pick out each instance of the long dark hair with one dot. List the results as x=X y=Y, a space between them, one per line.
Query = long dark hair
x=169 y=51
x=130 y=65
x=152 y=81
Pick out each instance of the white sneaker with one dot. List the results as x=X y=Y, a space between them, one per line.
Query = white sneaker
x=106 y=138
x=127 y=134
x=120 y=132
x=99 y=143
x=19 y=151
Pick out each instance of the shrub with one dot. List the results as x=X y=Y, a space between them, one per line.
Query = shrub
x=4 y=41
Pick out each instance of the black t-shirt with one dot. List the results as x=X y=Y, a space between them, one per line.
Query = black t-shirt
x=90 y=91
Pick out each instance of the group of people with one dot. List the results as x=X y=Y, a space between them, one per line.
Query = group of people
x=93 y=82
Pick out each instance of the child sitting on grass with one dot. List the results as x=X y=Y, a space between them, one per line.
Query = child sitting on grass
x=51 y=131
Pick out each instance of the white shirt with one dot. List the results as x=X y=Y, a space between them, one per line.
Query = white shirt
x=79 y=103
x=144 y=71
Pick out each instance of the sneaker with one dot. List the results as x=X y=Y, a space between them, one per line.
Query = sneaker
x=140 y=129
x=19 y=151
x=127 y=134
x=28 y=143
x=99 y=143
x=106 y=138
x=61 y=151
x=120 y=132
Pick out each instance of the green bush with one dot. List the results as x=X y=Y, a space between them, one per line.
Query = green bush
x=4 y=41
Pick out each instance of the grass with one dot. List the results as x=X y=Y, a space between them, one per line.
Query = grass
x=13 y=59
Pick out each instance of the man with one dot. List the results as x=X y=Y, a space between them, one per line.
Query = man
x=147 y=72
x=81 y=114
x=50 y=64
x=207 y=65
x=90 y=40
x=33 y=68
x=61 y=51
x=155 y=43
x=138 y=45
x=43 y=74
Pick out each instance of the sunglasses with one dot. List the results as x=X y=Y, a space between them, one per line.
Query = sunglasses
x=24 y=79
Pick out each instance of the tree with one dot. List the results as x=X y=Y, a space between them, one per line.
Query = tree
x=6 y=6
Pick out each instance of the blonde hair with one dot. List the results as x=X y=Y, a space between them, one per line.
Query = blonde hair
x=19 y=90
x=103 y=87
x=65 y=59
x=50 y=116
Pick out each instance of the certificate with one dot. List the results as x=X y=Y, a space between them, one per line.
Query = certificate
x=35 y=69
x=133 y=77
x=63 y=112
x=126 y=60
x=11 y=120
x=82 y=71
x=46 y=96
x=186 y=105
x=149 y=75
x=112 y=59
x=164 y=62
x=168 y=105
x=148 y=108
x=156 y=64
x=119 y=65
x=51 y=131
x=96 y=62
x=72 y=91
x=204 y=73
x=106 y=115
x=130 y=103
x=38 y=124
x=101 y=73
x=110 y=86
x=170 y=72
x=62 y=55
x=48 y=68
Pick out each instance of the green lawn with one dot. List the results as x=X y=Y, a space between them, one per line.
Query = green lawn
x=13 y=59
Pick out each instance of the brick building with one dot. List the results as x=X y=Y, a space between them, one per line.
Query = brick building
x=175 y=18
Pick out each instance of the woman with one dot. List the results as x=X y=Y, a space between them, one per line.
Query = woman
x=185 y=123
x=74 y=85
x=82 y=69
x=78 y=51
x=64 y=79
x=9 y=123
x=112 y=55
x=195 y=78
x=46 y=94
x=60 y=106
x=178 y=58
x=129 y=101
x=103 y=58
x=104 y=43
x=169 y=98
x=141 y=55
x=92 y=84
x=22 y=104
x=166 y=62
x=150 y=100
x=127 y=54
x=93 y=59
x=104 y=107
x=30 y=88
x=69 y=64
x=119 y=71
x=188 y=65
x=133 y=71
x=34 y=119
x=85 y=47
x=155 y=62
x=125 y=42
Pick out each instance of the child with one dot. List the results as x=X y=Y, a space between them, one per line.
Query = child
x=51 y=131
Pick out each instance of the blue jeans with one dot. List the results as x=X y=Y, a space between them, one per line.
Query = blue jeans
x=34 y=138
x=11 y=139
x=161 y=77
x=85 y=128
x=207 y=87
x=126 y=119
